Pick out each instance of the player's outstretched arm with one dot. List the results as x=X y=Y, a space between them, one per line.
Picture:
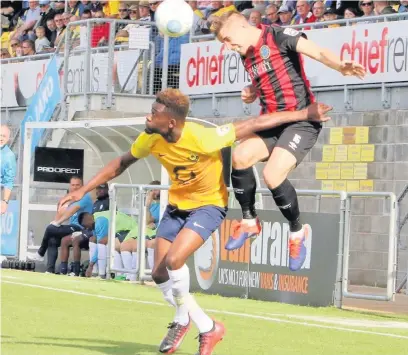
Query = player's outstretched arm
x=314 y=112
x=113 y=169
x=328 y=58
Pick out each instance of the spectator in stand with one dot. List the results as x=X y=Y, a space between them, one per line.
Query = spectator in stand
x=10 y=10
x=84 y=5
x=383 y=8
x=73 y=7
x=27 y=22
x=402 y=7
x=41 y=43
x=144 y=11
x=318 y=11
x=86 y=15
x=255 y=18
x=28 y=47
x=330 y=15
x=66 y=19
x=367 y=7
x=110 y=8
x=285 y=15
x=95 y=7
x=173 y=61
x=123 y=15
x=197 y=11
x=350 y=13
x=59 y=22
x=5 y=54
x=123 y=34
x=303 y=13
x=100 y=32
x=271 y=15
x=214 y=7
x=59 y=6
x=47 y=13
x=14 y=44
x=227 y=6
x=52 y=32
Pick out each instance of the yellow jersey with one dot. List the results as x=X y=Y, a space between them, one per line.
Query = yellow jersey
x=194 y=163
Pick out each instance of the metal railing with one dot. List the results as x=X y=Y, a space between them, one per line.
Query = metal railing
x=401 y=222
x=342 y=268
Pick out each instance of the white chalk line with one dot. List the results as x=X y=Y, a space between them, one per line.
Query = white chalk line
x=242 y=315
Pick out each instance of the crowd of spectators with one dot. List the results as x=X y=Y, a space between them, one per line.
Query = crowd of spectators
x=35 y=27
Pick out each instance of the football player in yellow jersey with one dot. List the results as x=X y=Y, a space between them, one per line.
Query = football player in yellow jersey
x=197 y=198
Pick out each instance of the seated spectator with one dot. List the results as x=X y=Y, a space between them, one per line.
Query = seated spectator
x=66 y=18
x=95 y=7
x=42 y=42
x=10 y=11
x=5 y=53
x=28 y=48
x=367 y=7
x=197 y=11
x=255 y=18
x=123 y=15
x=55 y=231
x=271 y=16
x=318 y=11
x=285 y=15
x=144 y=11
x=350 y=13
x=401 y=7
x=110 y=8
x=226 y=6
x=73 y=7
x=173 y=61
x=86 y=15
x=383 y=8
x=83 y=6
x=14 y=44
x=303 y=14
x=330 y=15
x=52 y=32
x=59 y=6
x=47 y=13
x=123 y=34
x=214 y=7
x=102 y=199
x=100 y=32
x=27 y=21
x=153 y=207
x=99 y=223
x=59 y=22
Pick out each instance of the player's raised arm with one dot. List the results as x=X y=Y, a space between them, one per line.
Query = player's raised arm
x=113 y=169
x=328 y=58
x=314 y=112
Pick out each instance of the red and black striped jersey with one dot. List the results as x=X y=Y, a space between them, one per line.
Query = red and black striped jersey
x=277 y=71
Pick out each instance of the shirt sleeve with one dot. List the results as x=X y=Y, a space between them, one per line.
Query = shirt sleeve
x=101 y=228
x=214 y=139
x=286 y=38
x=8 y=172
x=142 y=146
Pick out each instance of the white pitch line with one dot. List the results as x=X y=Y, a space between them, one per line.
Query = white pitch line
x=242 y=315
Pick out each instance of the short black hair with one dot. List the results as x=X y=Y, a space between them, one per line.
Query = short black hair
x=177 y=104
x=155 y=182
x=81 y=217
x=77 y=177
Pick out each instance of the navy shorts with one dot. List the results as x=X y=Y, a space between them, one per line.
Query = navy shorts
x=203 y=220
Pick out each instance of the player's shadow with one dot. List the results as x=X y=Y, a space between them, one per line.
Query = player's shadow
x=108 y=347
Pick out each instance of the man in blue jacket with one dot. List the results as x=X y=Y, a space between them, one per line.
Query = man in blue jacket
x=8 y=168
x=55 y=231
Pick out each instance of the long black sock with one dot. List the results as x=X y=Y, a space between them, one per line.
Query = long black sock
x=64 y=267
x=286 y=199
x=244 y=184
x=77 y=267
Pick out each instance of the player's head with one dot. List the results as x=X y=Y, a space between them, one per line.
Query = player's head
x=86 y=220
x=102 y=191
x=169 y=112
x=75 y=183
x=233 y=29
x=4 y=135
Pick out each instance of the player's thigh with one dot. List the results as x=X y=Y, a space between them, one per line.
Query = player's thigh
x=103 y=240
x=129 y=244
x=66 y=241
x=199 y=226
x=291 y=148
x=250 y=151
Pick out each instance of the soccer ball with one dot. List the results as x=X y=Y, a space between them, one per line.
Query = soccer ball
x=174 y=18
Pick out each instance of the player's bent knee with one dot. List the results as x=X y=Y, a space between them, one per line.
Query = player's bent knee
x=103 y=241
x=274 y=179
x=174 y=262
x=66 y=241
x=241 y=159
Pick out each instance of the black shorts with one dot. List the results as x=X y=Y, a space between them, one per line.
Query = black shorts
x=297 y=138
x=121 y=235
